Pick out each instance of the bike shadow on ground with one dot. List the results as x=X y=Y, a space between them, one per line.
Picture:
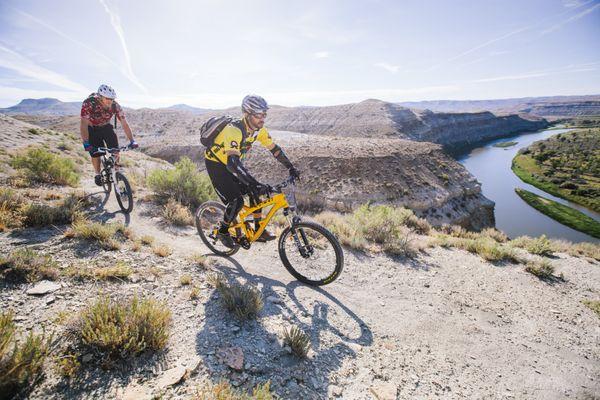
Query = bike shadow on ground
x=311 y=310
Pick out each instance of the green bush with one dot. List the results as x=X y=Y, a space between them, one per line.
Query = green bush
x=124 y=328
x=40 y=165
x=184 y=184
x=20 y=361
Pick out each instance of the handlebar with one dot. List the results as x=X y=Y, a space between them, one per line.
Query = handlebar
x=110 y=150
x=290 y=180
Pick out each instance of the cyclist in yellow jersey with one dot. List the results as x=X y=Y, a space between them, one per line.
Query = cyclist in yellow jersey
x=228 y=175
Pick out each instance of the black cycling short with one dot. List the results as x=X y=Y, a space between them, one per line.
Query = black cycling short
x=103 y=136
x=227 y=186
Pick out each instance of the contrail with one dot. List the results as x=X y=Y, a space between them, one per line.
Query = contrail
x=24 y=66
x=115 y=21
x=91 y=49
x=571 y=19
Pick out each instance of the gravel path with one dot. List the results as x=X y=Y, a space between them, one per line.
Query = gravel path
x=446 y=325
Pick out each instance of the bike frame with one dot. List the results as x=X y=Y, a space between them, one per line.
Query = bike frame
x=276 y=203
x=109 y=153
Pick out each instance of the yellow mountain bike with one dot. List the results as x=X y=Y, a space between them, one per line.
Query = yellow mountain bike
x=308 y=250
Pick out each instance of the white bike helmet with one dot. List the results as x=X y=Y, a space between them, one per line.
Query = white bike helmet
x=253 y=104
x=107 y=91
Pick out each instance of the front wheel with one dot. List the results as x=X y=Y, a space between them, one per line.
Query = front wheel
x=311 y=253
x=208 y=218
x=123 y=193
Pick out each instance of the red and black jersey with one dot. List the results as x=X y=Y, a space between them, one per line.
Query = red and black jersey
x=93 y=110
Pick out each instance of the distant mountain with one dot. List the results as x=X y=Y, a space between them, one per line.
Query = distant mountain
x=186 y=108
x=553 y=106
x=46 y=106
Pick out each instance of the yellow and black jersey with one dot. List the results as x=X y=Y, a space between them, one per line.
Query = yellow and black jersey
x=232 y=138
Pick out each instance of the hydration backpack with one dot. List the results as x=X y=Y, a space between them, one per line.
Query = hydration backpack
x=211 y=128
x=95 y=102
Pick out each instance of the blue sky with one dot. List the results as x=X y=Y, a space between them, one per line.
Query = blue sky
x=211 y=53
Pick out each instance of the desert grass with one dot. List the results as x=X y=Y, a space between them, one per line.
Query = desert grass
x=297 y=340
x=185 y=280
x=593 y=305
x=486 y=247
x=194 y=293
x=540 y=246
x=119 y=328
x=200 y=260
x=162 y=250
x=21 y=361
x=243 y=301
x=147 y=240
x=542 y=269
x=27 y=265
x=108 y=236
x=224 y=391
x=391 y=228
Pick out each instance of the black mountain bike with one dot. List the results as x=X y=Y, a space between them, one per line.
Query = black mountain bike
x=111 y=177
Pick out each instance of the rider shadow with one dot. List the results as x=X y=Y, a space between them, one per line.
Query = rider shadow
x=265 y=356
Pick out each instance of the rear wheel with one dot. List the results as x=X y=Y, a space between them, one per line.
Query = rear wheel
x=311 y=253
x=208 y=218
x=123 y=193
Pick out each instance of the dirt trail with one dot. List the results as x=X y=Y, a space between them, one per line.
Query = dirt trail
x=445 y=325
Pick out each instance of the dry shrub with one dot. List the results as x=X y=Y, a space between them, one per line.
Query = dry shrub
x=10 y=204
x=162 y=250
x=27 y=265
x=541 y=246
x=593 y=305
x=119 y=271
x=390 y=227
x=136 y=245
x=124 y=328
x=297 y=340
x=495 y=234
x=485 y=247
x=104 y=234
x=185 y=280
x=176 y=214
x=147 y=240
x=20 y=361
x=542 y=269
x=342 y=226
x=224 y=391
x=244 y=301
x=583 y=249
x=200 y=260
x=194 y=293
x=69 y=210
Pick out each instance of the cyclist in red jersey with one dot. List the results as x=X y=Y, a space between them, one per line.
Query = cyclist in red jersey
x=95 y=129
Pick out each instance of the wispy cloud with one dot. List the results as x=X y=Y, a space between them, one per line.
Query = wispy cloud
x=571 y=19
x=322 y=54
x=115 y=21
x=79 y=43
x=388 y=67
x=12 y=60
x=481 y=46
x=572 y=3
x=542 y=73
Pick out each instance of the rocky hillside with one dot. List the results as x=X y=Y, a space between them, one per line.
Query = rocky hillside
x=553 y=106
x=341 y=175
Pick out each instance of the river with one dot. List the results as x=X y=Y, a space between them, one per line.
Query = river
x=491 y=166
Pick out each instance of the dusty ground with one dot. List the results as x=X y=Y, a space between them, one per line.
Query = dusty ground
x=446 y=325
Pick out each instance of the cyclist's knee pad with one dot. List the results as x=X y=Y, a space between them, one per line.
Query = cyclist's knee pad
x=233 y=208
